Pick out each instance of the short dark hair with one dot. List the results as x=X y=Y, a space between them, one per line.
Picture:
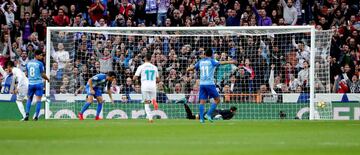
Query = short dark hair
x=208 y=52
x=38 y=52
x=233 y=108
x=307 y=62
x=111 y=74
x=10 y=64
x=148 y=56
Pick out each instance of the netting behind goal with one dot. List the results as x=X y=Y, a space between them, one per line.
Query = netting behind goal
x=272 y=79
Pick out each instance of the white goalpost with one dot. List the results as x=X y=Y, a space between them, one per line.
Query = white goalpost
x=280 y=73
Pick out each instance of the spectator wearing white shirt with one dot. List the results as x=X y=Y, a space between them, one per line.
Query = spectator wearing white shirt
x=194 y=95
x=302 y=54
x=106 y=58
x=303 y=75
x=23 y=61
x=293 y=83
x=8 y=10
x=61 y=56
x=115 y=89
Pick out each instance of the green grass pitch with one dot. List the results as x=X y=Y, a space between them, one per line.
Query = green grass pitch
x=179 y=137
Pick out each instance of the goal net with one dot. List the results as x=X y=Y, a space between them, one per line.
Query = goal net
x=279 y=72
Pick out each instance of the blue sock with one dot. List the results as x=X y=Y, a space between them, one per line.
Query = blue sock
x=28 y=105
x=201 y=109
x=38 y=107
x=98 y=110
x=212 y=108
x=85 y=107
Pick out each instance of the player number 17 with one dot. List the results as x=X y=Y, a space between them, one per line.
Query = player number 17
x=150 y=75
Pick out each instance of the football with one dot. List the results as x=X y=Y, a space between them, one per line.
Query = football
x=321 y=104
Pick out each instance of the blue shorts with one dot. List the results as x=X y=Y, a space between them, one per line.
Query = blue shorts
x=37 y=89
x=208 y=91
x=97 y=90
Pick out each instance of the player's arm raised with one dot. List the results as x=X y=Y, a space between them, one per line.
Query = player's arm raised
x=227 y=62
x=193 y=67
x=2 y=71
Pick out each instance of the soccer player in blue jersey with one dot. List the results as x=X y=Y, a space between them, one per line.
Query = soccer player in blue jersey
x=94 y=89
x=35 y=72
x=208 y=90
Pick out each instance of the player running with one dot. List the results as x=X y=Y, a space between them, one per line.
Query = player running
x=149 y=76
x=22 y=84
x=94 y=88
x=208 y=90
x=35 y=71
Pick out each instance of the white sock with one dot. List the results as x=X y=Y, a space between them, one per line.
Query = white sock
x=21 y=108
x=148 y=111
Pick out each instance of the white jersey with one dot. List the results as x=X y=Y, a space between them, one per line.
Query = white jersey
x=20 y=77
x=61 y=57
x=149 y=73
x=22 y=80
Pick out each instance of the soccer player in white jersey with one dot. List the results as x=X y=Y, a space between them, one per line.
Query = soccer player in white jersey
x=149 y=76
x=22 y=84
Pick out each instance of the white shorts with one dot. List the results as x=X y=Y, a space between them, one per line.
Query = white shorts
x=22 y=92
x=148 y=95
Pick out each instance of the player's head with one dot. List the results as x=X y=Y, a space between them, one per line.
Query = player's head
x=111 y=76
x=208 y=53
x=39 y=55
x=9 y=66
x=148 y=56
x=233 y=109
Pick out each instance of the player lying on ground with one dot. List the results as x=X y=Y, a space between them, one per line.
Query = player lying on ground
x=35 y=72
x=149 y=76
x=22 y=84
x=94 y=88
x=218 y=113
x=208 y=90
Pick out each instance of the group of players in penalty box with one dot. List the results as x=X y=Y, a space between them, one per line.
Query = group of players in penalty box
x=32 y=85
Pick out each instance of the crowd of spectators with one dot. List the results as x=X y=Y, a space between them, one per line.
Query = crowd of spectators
x=78 y=56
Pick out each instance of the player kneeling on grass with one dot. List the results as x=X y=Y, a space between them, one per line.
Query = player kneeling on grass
x=224 y=114
x=94 y=89
x=208 y=90
x=149 y=76
x=22 y=84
